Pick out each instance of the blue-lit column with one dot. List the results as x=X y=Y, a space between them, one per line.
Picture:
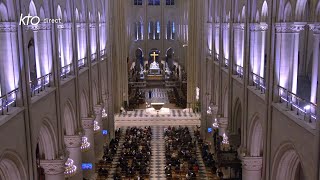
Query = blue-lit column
x=216 y=38
x=67 y=43
x=93 y=40
x=43 y=47
x=238 y=44
x=316 y=59
x=287 y=48
x=225 y=42
x=82 y=41
x=9 y=63
x=257 y=47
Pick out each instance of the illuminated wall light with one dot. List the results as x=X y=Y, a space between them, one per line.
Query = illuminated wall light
x=215 y=124
x=104 y=114
x=96 y=127
x=85 y=145
x=225 y=139
x=70 y=168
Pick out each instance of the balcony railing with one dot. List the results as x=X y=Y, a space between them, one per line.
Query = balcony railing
x=239 y=71
x=103 y=52
x=216 y=57
x=8 y=100
x=259 y=82
x=40 y=84
x=225 y=63
x=82 y=63
x=93 y=57
x=65 y=71
x=298 y=104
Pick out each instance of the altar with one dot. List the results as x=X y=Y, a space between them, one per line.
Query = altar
x=154 y=68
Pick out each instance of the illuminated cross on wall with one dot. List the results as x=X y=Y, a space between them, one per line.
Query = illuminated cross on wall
x=154 y=55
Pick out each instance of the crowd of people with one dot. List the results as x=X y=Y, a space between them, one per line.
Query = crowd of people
x=135 y=154
x=109 y=152
x=181 y=159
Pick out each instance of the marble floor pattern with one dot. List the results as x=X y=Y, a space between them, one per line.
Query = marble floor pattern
x=157 y=95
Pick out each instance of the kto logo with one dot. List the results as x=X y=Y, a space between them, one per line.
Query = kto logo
x=27 y=20
x=35 y=20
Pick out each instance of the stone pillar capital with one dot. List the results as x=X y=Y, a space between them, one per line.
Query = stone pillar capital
x=239 y=26
x=81 y=25
x=64 y=26
x=252 y=163
x=223 y=122
x=258 y=26
x=92 y=25
x=40 y=26
x=289 y=27
x=53 y=167
x=73 y=141
x=87 y=123
x=97 y=109
x=315 y=28
x=225 y=25
x=214 y=110
x=8 y=27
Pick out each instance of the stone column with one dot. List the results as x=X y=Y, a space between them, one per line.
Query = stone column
x=287 y=47
x=238 y=44
x=73 y=144
x=257 y=47
x=53 y=169
x=223 y=125
x=89 y=155
x=98 y=138
x=314 y=78
x=9 y=63
x=251 y=168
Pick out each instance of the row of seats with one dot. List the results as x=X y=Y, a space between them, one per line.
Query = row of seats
x=135 y=154
x=181 y=159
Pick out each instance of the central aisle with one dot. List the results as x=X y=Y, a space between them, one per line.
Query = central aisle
x=158 y=159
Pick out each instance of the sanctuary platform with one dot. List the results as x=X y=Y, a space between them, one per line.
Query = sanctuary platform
x=141 y=117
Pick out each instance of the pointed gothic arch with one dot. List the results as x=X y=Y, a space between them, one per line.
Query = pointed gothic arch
x=47 y=141
x=32 y=9
x=84 y=107
x=69 y=118
x=4 y=17
x=11 y=166
x=256 y=137
x=287 y=164
x=236 y=119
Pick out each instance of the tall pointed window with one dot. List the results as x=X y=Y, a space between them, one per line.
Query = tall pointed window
x=171 y=30
x=138 y=31
x=151 y=30
x=157 y=37
x=137 y=2
x=169 y=2
x=154 y=2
